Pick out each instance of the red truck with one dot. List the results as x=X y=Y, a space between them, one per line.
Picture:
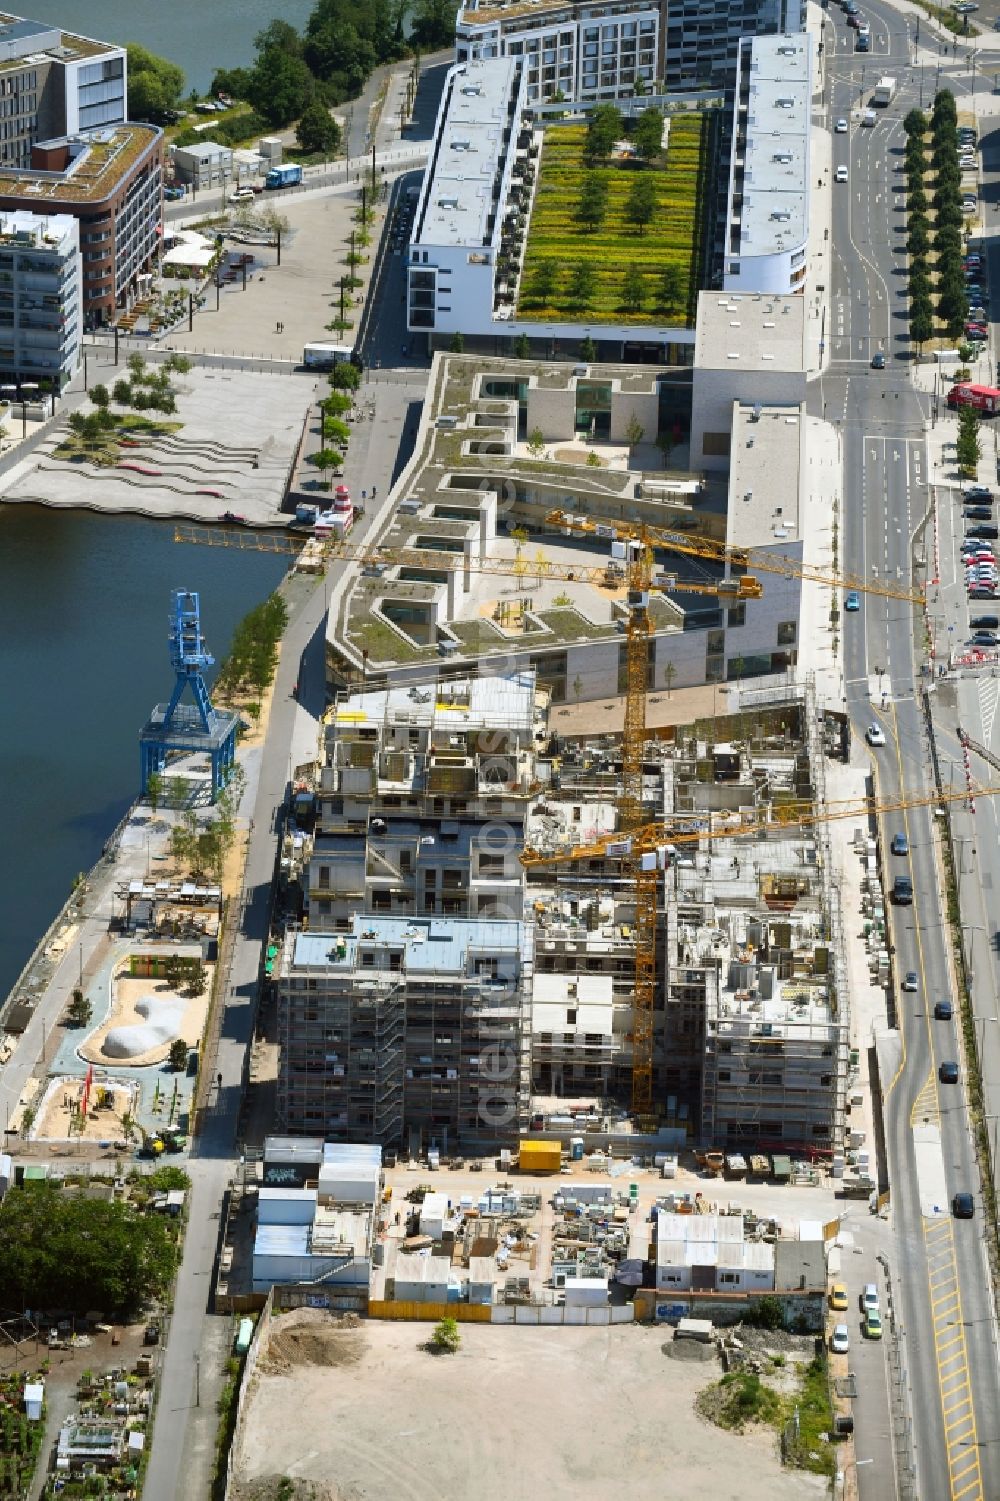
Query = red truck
x=985 y=399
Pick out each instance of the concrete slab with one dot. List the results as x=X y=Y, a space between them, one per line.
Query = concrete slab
x=931 y=1177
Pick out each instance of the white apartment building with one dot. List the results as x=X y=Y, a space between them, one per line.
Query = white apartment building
x=54 y=83
x=40 y=297
x=703 y=37
x=582 y=50
x=469 y=232
x=576 y=51
x=767 y=209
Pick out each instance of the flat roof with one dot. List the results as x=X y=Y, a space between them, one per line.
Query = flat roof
x=94 y=174
x=462 y=704
x=773 y=215
x=40 y=227
x=765 y=471
x=437 y=507
x=21 y=37
x=759 y=331
x=437 y=944
x=458 y=192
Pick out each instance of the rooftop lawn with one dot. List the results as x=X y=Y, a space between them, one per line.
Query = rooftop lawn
x=672 y=238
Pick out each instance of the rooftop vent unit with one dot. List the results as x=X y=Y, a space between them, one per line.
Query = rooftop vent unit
x=461 y=145
x=782 y=156
x=447 y=203
x=785 y=103
x=781 y=215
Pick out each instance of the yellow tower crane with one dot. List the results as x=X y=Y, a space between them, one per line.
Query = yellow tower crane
x=642 y=844
x=646 y=850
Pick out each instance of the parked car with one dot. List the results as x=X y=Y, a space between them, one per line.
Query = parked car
x=840 y=1340
x=985 y=622
x=963 y=1206
x=985 y=638
x=875 y=735
x=978 y=513
x=872 y=1327
x=948 y=1073
x=838 y=1297
x=942 y=1011
x=977 y=492
x=900 y=844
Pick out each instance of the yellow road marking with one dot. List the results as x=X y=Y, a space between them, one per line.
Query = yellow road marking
x=951 y=1357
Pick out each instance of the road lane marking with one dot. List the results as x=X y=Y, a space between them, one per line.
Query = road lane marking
x=952 y=1362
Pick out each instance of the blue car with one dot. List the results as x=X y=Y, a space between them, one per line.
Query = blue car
x=853 y=601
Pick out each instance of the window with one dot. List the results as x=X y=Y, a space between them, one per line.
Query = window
x=715 y=641
x=715 y=445
x=737 y=615
x=571 y=1016
x=786 y=633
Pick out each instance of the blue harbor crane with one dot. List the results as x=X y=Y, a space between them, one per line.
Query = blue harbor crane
x=184 y=729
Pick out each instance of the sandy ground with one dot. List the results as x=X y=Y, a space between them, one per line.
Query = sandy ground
x=541 y=1412
x=56 y=1118
x=128 y=992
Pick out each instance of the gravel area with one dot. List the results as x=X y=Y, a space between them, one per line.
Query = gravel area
x=517 y=1411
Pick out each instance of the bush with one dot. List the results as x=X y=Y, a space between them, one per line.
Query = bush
x=447 y=1337
x=766 y=1313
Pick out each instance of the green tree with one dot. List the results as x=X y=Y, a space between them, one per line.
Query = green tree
x=583 y=284
x=178 y=1055
x=336 y=431
x=154 y=84
x=66 y=1251
x=634 y=431
x=522 y=347
x=917 y=239
x=921 y=322
x=232 y=81
x=281 y=85
x=196 y=979
x=345 y=376
x=79 y=1010
x=604 y=129
x=457 y=345
x=324 y=459
x=336 y=404
x=633 y=288
x=588 y=350
x=100 y=395
x=671 y=289
x=593 y=205
x=447 y=1337
x=536 y=443
x=648 y=134
x=318 y=132
x=433 y=24
x=121 y=393
x=915 y=123
x=543 y=283
x=154 y=790
x=640 y=206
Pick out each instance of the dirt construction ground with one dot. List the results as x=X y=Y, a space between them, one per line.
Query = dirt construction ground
x=574 y=1413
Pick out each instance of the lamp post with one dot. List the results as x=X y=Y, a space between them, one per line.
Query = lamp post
x=26 y=388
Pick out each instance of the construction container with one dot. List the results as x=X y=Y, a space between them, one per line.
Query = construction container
x=576 y=1148
x=540 y=1157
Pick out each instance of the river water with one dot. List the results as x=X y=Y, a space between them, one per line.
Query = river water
x=200 y=37
x=84 y=607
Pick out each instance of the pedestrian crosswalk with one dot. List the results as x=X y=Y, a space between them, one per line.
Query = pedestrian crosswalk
x=989 y=698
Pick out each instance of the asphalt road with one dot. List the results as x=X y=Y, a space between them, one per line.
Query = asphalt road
x=943 y=1302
